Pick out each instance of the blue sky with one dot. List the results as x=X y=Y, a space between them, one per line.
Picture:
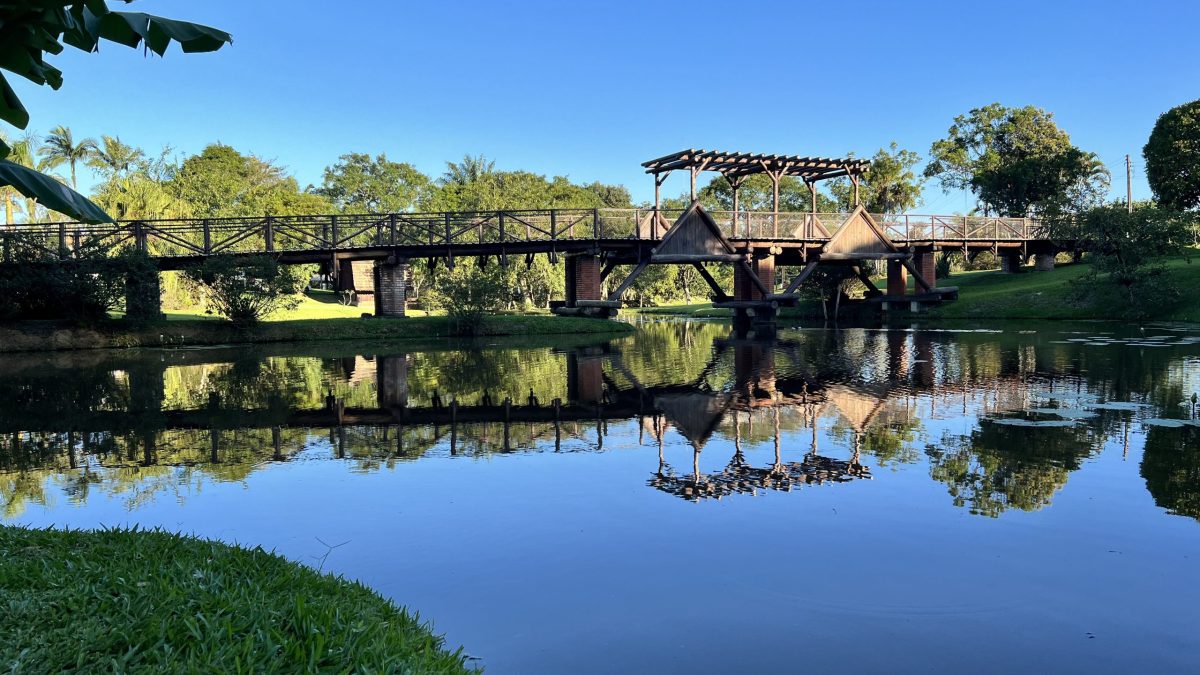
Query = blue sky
x=591 y=89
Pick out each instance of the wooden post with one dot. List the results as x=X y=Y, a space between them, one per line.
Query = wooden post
x=269 y=234
x=207 y=237
x=392 y=227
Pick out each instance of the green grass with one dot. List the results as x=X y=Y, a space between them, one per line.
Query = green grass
x=313 y=305
x=140 y=601
x=1060 y=294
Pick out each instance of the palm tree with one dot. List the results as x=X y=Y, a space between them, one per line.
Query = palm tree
x=469 y=170
x=115 y=158
x=60 y=148
x=24 y=151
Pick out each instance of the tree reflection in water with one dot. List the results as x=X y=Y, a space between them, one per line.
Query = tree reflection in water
x=136 y=424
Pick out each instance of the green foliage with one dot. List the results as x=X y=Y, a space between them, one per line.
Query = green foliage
x=81 y=291
x=891 y=186
x=1128 y=249
x=33 y=29
x=141 y=601
x=221 y=182
x=247 y=290
x=1173 y=157
x=61 y=148
x=358 y=183
x=755 y=194
x=468 y=292
x=1017 y=162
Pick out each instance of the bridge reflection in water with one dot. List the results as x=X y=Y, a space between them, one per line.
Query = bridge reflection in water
x=228 y=413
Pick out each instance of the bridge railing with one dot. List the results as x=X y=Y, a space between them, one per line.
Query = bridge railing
x=191 y=237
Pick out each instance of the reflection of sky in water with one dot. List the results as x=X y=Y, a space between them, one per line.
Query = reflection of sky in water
x=545 y=561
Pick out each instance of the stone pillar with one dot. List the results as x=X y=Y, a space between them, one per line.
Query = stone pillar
x=1010 y=263
x=927 y=265
x=391 y=380
x=1043 y=262
x=390 y=285
x=897 y=278
x=583 y=278
x=763 y=266
x=143 y=296
x=357 y=276
x=587 y=277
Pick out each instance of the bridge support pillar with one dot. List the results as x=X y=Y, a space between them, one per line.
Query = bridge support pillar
x=143 y=295
x=1010 y=263
x=583 y=278
x=1043 y=262
x=897 y=278
x=390 y=286
x=927 y=265
x=763 y=266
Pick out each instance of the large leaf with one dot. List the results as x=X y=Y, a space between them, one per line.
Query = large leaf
x=130 y=28
x=51 y=193
x=11 y=109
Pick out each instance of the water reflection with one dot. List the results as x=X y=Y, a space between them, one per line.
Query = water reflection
x=1002 y=419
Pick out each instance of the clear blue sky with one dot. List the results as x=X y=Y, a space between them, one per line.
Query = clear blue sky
x=591 y=89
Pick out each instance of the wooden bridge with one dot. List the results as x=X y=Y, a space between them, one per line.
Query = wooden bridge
x=370 y=253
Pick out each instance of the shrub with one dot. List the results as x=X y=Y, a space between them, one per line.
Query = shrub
x=467 y=293
x=81 y=290
x=248 y=289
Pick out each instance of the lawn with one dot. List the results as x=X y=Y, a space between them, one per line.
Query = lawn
x=313 y=305
x=140 y=601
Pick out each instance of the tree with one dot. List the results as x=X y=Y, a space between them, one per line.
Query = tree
x=1173 y=157
x=1016 y=161
x=60 y=148
x=247 y=290
x=1127 y=248
x=114 y=158
x=469 y=170
x=755 y=194
x=891 y=186
x=358 y=183
x=222 y=182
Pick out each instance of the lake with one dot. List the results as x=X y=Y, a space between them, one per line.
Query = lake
x=858 y=499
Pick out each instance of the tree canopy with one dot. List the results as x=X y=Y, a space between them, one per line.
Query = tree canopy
x=358 y=182
x=1017 y=162
x=1173 y=157
x=891 y=186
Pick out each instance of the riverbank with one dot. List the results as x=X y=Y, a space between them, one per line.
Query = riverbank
x=129 y=600
x=1061 y=294
x=50 y=336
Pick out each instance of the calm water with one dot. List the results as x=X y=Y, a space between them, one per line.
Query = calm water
x=851 y=500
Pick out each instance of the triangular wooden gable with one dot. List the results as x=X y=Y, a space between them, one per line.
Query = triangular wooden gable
x=694 y=233
x=696 y=415
x=859 y=237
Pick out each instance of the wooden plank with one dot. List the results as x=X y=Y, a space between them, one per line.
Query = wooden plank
x=800 y=278
x=637 y=271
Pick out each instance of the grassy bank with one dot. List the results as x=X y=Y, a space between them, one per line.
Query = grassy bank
x=41 y=336
x=134 y=601
x=1062 y=294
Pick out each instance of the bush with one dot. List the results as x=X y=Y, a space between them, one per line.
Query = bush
x=1128 y=248
x=248 y=289
x=467 y=293
x=81 y=290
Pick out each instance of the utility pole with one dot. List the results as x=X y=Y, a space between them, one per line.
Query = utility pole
x=1128 y=184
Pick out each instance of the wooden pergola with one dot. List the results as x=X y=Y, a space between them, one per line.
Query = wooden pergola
x=736 y=166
